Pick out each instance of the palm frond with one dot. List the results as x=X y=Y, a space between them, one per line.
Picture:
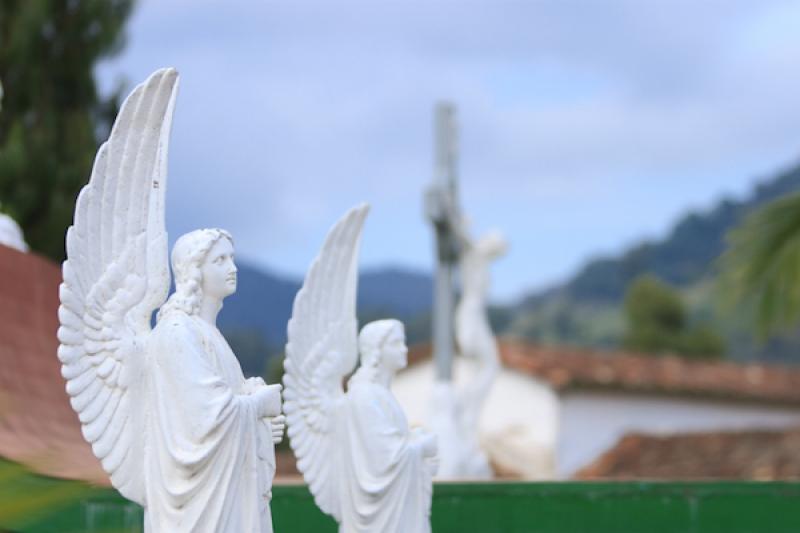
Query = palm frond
x=760 y=271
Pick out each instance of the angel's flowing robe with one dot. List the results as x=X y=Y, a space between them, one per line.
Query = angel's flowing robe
x=386 y=482
x=209 y=458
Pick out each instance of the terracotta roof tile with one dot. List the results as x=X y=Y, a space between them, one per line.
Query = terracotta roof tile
x=755 y=455
x=37 y=425
x=567 y=367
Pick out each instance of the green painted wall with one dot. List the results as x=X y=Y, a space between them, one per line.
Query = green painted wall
x=40 y=505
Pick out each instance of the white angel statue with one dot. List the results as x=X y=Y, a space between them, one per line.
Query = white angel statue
x=167 y=410
x=362 y=463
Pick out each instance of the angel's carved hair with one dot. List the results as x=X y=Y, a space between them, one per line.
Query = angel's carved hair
x=370 y=344
x=188 y=255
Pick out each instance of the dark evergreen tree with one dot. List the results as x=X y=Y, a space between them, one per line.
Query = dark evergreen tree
x=52 y=117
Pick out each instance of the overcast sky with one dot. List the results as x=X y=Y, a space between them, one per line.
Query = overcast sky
x=585 y=126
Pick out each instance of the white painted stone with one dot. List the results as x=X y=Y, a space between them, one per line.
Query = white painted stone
x=168 y=412
x=363 y=464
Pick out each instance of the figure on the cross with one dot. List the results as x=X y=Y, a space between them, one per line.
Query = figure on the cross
x=455 y=412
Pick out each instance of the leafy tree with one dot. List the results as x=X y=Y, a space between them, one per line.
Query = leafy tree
x=657 y=322
x=761 y=267
x=701 y=341
x=52 y=117
x=655 y=316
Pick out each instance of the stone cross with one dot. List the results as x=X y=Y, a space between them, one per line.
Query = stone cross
x=442 y=209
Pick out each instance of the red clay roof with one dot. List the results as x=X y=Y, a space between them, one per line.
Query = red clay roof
x=566 y=367
x=755 y=455
x=37 y=425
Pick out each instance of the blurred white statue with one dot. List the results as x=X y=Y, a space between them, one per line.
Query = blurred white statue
x=168 y=412
x=456 y=410
x=476 y=342
x=362 y=463
x=11 y=234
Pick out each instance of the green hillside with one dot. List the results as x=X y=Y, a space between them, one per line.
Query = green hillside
x=587 y=309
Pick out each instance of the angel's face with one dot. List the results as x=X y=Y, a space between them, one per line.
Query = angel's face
x=219 y=270
x=394 y=349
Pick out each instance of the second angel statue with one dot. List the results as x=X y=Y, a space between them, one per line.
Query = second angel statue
x=362 y=463
x=167 y=411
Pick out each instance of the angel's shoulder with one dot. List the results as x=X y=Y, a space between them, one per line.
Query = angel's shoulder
x=363 y=392
x=176 y=327
x=174 y=319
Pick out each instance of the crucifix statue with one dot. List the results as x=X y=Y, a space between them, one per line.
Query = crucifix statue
x=455 y=411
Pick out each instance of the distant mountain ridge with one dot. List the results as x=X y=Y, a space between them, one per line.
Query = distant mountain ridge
x=263 y=300
x=684 y=257
x=586 y=310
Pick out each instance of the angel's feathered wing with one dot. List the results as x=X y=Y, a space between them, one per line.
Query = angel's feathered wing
x=322 y=349
x=116 y=274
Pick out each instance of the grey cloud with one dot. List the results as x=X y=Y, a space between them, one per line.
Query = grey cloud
x=291 y=112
